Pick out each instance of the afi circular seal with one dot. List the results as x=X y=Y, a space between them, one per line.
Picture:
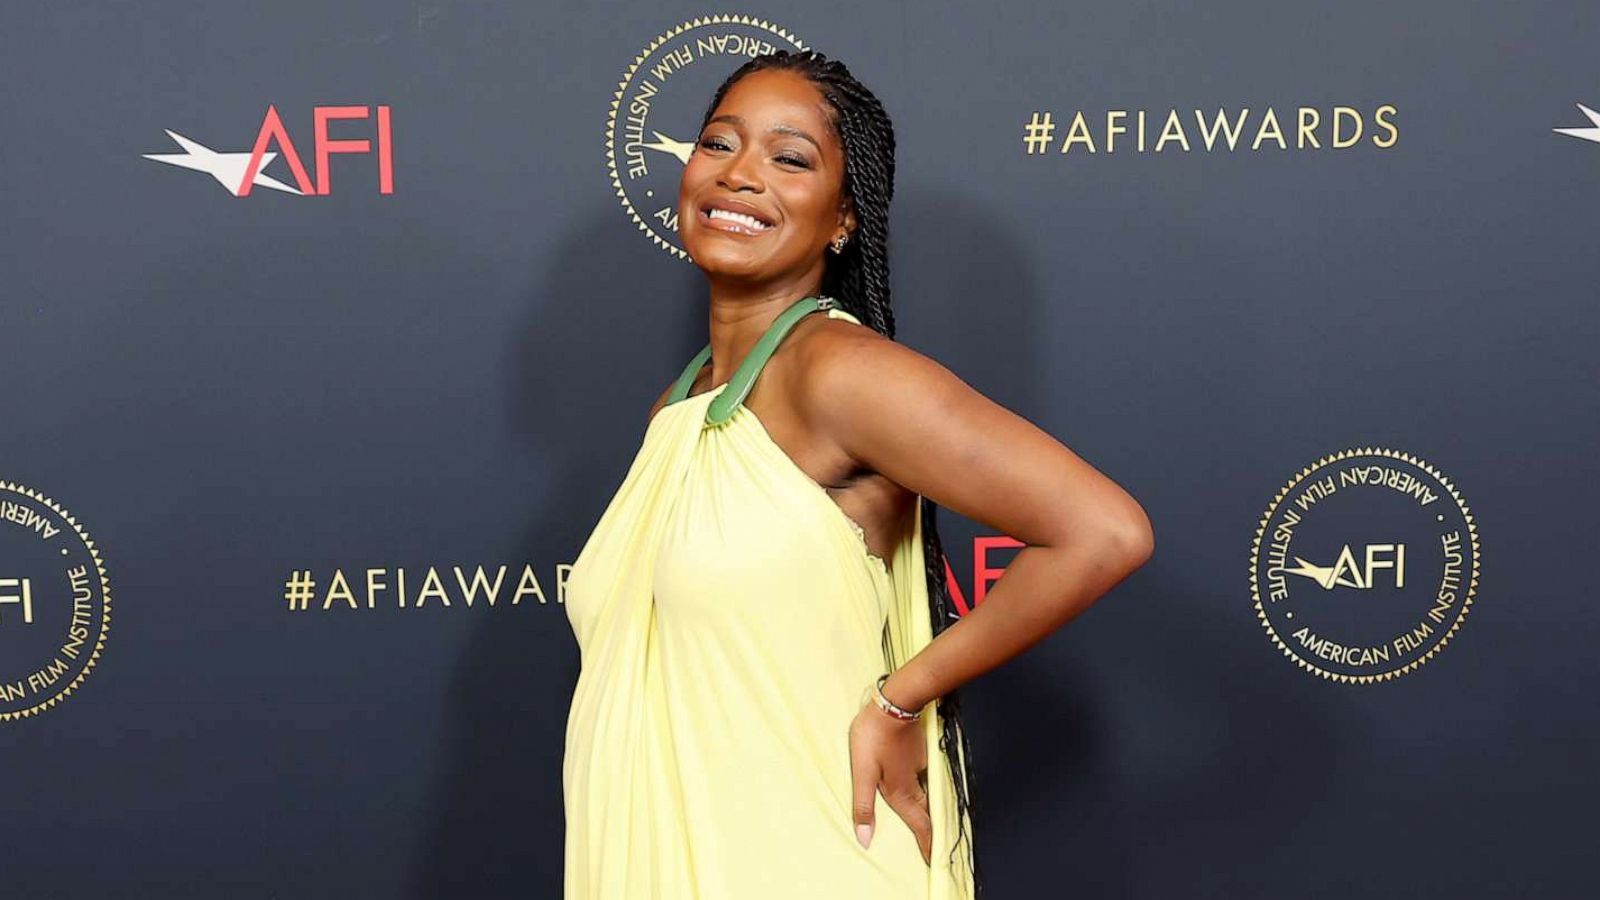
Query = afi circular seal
x=1364 y=565
x=656 y=109
x=55 y=603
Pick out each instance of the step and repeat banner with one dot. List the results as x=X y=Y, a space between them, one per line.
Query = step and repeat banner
x=329 y=330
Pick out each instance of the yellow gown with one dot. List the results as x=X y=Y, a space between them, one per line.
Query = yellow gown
x=729 y=615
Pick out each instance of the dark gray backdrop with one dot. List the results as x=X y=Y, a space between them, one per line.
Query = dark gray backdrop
x=223 y=390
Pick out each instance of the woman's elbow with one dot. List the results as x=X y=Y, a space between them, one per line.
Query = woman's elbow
x=1134 y=538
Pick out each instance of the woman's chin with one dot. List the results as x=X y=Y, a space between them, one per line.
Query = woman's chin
x=718 y=258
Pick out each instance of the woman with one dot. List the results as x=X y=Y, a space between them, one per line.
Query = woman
x=771 y=554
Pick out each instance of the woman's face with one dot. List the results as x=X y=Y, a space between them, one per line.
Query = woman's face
x=769 y=152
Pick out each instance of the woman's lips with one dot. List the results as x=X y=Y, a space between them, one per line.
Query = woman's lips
x=730 y=226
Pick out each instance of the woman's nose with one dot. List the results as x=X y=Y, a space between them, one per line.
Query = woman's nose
x=740 y=171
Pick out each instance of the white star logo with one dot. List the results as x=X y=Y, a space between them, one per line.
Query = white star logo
x=226 y=168
x=680 y=149
x=1592 y=133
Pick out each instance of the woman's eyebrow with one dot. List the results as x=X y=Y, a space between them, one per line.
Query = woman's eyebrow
x=779 y=128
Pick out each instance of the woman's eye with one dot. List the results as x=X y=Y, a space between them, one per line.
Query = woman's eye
x=716 y=143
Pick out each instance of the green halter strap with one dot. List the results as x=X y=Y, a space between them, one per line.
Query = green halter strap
x=722 y=406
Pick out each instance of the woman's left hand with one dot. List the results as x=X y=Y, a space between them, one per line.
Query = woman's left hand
x=892 y=755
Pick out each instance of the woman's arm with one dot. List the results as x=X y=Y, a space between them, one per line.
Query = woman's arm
x=910 y=419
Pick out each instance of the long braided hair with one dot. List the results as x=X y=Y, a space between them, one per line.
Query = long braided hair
x=859 y=278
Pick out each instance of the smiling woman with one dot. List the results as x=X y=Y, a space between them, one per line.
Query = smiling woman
x=768 y=700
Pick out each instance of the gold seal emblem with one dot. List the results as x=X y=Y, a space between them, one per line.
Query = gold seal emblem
x=55 y=603
x=1364 y=565
x=656 y=110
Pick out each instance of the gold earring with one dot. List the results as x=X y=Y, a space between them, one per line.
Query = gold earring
x=839 y=242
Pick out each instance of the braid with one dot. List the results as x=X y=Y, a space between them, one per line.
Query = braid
x=859 y=278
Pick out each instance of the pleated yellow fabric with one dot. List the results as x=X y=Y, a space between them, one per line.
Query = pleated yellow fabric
x=728 y=615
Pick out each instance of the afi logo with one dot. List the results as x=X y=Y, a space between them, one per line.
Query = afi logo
x=23 y=597
x=240 y=172
x=984 y=571
x=1349 y=572
x=1588 y=133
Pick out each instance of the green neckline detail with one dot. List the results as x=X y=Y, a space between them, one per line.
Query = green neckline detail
x=744 y=378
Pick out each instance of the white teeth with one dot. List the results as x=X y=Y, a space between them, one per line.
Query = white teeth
x=741 y=218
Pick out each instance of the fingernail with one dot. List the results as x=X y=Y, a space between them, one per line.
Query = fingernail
x=864 y=835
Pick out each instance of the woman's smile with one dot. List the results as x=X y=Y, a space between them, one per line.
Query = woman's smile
x=733 y=223
x=719 y=219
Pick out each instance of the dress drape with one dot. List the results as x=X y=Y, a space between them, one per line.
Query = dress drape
x=729 y=614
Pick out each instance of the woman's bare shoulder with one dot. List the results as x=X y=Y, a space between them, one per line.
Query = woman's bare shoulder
x=836 y=349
